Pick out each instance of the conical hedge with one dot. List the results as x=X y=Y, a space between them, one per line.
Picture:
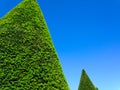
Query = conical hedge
x=85 y=82
x=97 y=88
x=28 y=59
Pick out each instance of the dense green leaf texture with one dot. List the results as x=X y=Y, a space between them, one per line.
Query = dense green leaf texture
x=85 y=82
x=28 y=60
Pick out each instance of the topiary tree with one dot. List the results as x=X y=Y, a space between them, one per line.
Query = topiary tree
x=85 y=82
x=28 y=59
x=97 y=88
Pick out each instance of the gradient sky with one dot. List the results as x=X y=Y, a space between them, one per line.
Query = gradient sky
x=86 y=34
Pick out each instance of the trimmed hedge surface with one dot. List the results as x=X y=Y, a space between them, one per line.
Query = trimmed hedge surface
x=28 y=59
x=85 y=82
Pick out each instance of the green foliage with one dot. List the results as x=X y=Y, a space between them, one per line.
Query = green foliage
x=85 y=82
x=28 y=60
x=97 y=88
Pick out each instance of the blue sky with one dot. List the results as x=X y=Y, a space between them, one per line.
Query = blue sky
x=86 y=34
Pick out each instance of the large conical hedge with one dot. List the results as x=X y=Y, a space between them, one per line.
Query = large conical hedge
x=85 y=82
x=28 y=60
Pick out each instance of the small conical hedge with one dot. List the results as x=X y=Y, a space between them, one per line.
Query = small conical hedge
x=28 y=59
x=97 y=88
x=85 y=82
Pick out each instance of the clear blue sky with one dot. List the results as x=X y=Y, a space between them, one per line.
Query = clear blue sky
x=86 y=34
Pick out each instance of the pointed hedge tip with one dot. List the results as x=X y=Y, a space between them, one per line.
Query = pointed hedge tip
x=85 y=82
x=83 y=70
